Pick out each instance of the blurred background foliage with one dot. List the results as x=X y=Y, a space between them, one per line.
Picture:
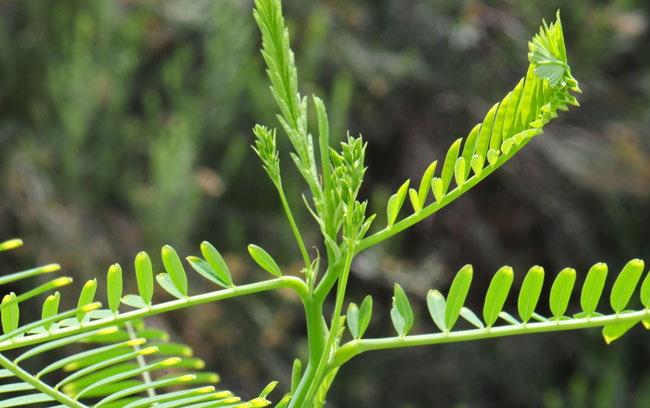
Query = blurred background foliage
x=125 y=125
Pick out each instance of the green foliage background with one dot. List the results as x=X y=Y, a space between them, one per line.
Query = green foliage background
x=125 y=125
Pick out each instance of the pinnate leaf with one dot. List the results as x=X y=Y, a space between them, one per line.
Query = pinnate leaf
x=214 y=258
x=450 y=163
x=625 y=284
x=264 y=260
x=114 y=286
x=425 y=183
x=174 y=269
x=497 y=294
x=206 y=270
x=437 y=305
x=353 y=320
x=593 y=288
x=530 y=292
x=365 y=312
x=401 y=313
x=614 y=331
x=86 y=297
x=645 y=291
x=457 y=295
x=561 y=292
x=144 y=276
x=10 y=314
x=395 y=203
x=165 y=281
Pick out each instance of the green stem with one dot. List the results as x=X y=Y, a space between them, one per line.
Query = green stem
x=329 y=279
x=284 y=282
x=425 y=212
x=355 y=347
x=294 y=227
x=146 y=376
x=38 y=385
x=304 y=398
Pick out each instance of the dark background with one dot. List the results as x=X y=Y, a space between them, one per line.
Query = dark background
x=125 y=125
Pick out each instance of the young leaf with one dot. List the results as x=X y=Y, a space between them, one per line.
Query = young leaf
x=268 y=389
x=477 y=164
x=483 y=141
x=561 y=292
x=492 y=156
x=401 y=313
x=425 y=183
x=50 y=308
x=144 y=276
x=507 y=145
x=645 y=292
x=264 y=260
x=174 y=269
x=612 y=332
x=206 y=270
x=530 y=291
x=457 y=294
x=497 y=294
x=165 y=281
x=450 y=163
x=86 y=297
x=593 y=288
x=365 y=312
x=395 y=203
x=114 y=286
x=296 y=373
x=436 y=306
x=436 y=187
x=134 y=301
x=469 y=147
x=459 y=171
x=353 y=320
x=214 y=258
x=415 y=201
x=10 y=244
x=471 y=317
x=625 y=284
x=10 y=314
x=508 y=317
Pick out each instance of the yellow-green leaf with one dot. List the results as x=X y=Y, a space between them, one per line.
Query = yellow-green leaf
x=264 y=260
x=401 y=313
x=144 y=276
x=529 y=293
x=214 y=258
x=86 y=297
x=425 y=183
x=561 y=292
x=437 y=306
x=497 y=294
x=174 y=268
x=592 y=289
x=457 y=295
x=625 y=284
x=114 y=286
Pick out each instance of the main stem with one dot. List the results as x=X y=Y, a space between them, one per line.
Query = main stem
x=317 y=366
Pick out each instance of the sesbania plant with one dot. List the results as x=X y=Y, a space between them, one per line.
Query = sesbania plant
x=122 y=359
